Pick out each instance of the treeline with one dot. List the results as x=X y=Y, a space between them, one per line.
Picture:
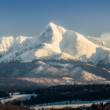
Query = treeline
x=13 y=107
x=3 y=94
x=67 y=92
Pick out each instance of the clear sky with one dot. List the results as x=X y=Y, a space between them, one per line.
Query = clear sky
x=29 y=17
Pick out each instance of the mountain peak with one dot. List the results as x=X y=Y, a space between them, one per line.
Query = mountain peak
x=52 y=24
x=54 y=27
x=57 y=28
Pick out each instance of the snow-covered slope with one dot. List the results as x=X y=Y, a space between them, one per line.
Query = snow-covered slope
x=46 y=44
x=58 y=44
x=77 y=45
x=5 y=43
x=102 y=41
x=53 y=42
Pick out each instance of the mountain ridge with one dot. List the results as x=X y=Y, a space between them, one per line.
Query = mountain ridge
x=64 y=53
x=50 y=42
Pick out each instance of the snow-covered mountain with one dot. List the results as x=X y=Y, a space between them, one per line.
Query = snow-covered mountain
x=56 y=52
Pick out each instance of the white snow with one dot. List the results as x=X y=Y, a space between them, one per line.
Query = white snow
x=5 y=43
x=86 y=76
x=56 y=42
x=18 y=97
x=73 y=104
x=53 y=42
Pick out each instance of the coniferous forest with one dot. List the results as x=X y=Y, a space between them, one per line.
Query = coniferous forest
x=3 y=93
x=67 y=92
x=64 y=93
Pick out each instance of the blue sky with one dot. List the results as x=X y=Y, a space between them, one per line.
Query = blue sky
x=29 y=17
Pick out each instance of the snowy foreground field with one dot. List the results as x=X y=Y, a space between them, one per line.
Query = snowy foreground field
x=74 y=104
x=17 y=96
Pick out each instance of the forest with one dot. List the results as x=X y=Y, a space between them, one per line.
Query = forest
x=61 y=93
x=3 y=94
x=66 y=93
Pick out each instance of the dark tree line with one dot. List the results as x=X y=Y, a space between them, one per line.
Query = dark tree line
x=3 y=94
x=67 y=92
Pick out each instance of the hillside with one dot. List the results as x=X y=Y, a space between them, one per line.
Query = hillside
x=60 y=55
